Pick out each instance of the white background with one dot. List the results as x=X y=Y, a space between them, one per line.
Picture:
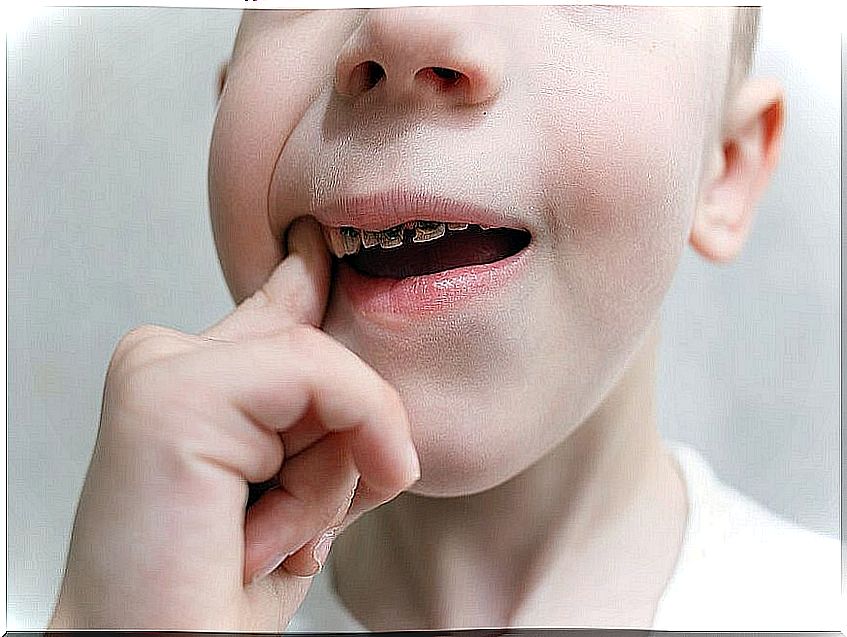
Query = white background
x=109 y=117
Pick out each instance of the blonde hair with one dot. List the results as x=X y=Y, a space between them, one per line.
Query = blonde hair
x=745 y=31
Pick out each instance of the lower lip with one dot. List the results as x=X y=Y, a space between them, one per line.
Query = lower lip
x=429 y=294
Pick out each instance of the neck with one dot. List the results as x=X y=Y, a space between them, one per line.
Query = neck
x=604 y=510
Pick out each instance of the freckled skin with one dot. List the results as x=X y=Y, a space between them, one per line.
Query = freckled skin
x=586 y=126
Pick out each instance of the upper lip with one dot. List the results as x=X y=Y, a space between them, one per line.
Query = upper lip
x=389 y=208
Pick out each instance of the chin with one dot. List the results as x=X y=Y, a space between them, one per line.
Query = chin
x=468 y=454
x=443 y=478
x=465 y=384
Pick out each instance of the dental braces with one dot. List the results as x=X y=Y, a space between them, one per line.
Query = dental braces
x=347 y=240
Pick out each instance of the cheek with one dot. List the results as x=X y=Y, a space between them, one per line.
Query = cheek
x=621 y=183
x=270 y=85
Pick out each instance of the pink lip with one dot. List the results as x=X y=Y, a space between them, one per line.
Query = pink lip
x=392 y=207
x=429 y=294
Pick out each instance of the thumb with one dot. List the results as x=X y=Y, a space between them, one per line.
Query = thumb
x=295 y=293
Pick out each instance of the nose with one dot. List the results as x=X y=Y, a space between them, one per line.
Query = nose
x=416 y=54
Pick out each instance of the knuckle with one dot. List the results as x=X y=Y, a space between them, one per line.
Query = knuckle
x=173 y=406
x=145 y=375
x=143 y=344
x=259 y=300
x=136 y=387
x=159 y=402
x=141 y=333
x=131 y=340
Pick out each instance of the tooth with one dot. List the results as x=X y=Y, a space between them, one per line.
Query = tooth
x=335 y=240
x=392 y=237
x=351 y=238
x=410 y=225
x=457 y=226
x=370 y=238
x=485 y=227
x=428 y=231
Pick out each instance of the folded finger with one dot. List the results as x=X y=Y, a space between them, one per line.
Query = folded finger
x=281 y=381
x=311 y=485
x=309 y=559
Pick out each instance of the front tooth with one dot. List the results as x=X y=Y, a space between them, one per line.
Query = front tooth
x=335 y=240
x=391 y=237
x=370 y=238
x=428 y=231
x=457 y=226
x=483 y=227
x=352 y=239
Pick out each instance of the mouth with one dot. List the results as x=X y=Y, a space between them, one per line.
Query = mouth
x=422 y=247
x=412 y=256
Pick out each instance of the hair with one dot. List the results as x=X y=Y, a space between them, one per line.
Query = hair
x=745 y=32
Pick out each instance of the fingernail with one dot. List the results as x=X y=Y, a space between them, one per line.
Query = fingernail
x=341 y=513
x=291 y=242
x=321 y=550
x=269 y=568
x=296 y=234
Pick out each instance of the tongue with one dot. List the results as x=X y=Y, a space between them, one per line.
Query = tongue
x=456 y=249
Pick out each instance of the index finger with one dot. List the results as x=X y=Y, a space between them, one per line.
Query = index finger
x=296 y=292
x=304 y=375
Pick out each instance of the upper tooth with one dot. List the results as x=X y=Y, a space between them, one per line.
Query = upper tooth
x=369 y=238
x=392 y=237
x=344 y=240
x=335 y=241
x=351 y=238
x=428 y=231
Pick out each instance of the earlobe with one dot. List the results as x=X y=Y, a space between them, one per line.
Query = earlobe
x=744 y=158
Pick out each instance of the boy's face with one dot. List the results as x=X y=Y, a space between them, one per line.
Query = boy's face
x=585 y=126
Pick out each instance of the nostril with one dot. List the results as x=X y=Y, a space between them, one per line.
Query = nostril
x=446 y=74
x=366 y=75
x=442 y=77
x=374 y=73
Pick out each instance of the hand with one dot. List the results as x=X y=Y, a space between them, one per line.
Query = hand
x=163 y=538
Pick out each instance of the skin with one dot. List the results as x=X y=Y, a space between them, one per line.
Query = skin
x=531 y=412
x=161 y=540
x=558 y=373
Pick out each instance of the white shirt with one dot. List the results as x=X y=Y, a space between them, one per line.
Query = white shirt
x=741 y=567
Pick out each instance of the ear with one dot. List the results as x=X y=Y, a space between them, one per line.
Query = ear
x=742 y=162
x=222 y=78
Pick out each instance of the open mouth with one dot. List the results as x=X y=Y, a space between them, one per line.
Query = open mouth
x=419 y=248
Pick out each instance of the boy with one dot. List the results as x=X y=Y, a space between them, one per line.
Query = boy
x=449 y=232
